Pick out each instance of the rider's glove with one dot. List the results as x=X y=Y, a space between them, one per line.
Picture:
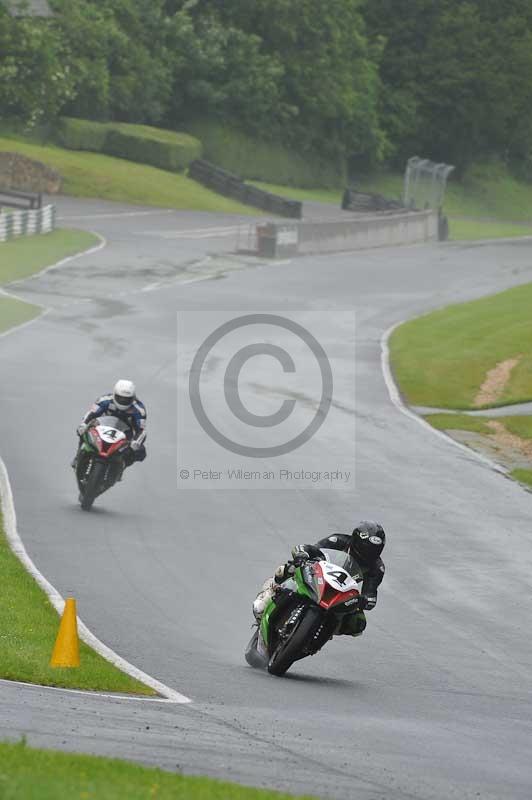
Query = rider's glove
x=283 y=572
x=135 y=444
x=300 y=558
x=82 y=428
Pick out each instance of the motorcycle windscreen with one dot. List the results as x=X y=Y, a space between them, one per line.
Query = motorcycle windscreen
x=345 y=561
x=109 y=421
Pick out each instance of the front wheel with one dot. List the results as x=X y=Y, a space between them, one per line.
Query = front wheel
x=291 y=649
x=93 y=485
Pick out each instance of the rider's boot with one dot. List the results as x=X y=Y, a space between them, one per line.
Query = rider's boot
x=263 y=598
x=352 y=625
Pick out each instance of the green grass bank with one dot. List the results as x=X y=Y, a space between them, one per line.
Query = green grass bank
x=15 y=312
x=26 y=255
x=28 y=628
x=523 y=476
x=470 y=356
x=514 y=432
x=95 y=175
x=31 y=774
x=458 y=422
x=442 y=359
x=517 y=425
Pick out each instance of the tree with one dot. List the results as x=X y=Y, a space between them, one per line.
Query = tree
x=330 y=82
x=456 y=76
x=219 y=70
x=118 y=57
x=35 y=80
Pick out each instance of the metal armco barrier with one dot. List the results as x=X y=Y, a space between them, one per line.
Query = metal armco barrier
x=26 y=223
x=365 y=202
x=17 y=199
x=231 y=185
x=277 y=240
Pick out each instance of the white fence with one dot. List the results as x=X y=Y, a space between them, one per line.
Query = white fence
x=26 y=222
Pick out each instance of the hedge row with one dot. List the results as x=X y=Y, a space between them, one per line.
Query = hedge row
x=165 y=149
x=255 y=159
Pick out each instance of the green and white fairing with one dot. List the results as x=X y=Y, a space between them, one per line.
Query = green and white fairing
x=333 y=583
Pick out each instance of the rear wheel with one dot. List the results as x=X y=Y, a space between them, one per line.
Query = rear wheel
x=93 y=486
x=291 y=649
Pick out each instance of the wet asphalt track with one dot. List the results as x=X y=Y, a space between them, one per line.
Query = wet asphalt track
x=434 y=701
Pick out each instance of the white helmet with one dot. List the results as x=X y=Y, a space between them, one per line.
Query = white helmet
x=124 y=394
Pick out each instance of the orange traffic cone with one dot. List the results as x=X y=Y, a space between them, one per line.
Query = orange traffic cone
x=66 y=648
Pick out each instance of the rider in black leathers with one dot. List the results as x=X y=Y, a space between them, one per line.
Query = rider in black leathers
x=365 y=545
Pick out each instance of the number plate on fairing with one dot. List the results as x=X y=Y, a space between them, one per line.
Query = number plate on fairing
x=110 y=435
x=337 y=577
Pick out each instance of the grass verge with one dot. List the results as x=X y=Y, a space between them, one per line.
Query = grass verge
x=30 y=774
x=95 y=175
x=522 y=475
x=441 y=359
x=15 y=312
x=470 y=229
x=28 y=629
x=508 y=439
x=22 y=257
x=458 y=422
x=517 y=425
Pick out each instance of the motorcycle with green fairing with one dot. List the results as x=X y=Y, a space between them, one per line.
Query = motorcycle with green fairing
x=100 y=458
x=306 y=611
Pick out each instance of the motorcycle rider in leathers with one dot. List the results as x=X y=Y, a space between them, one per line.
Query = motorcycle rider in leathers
x=123 y=403
x=365 y=545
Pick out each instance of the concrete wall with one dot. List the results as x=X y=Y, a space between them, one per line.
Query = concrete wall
x=330 y=236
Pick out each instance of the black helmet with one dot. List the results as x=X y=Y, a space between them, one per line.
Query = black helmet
x=367 y=541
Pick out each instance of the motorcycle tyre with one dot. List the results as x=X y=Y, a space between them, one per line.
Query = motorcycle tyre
x=92 y=487
x=289 y=651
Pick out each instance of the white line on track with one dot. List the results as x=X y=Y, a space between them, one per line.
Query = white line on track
x=15 y=542
x=116 y=214
x=84 y=692
x=168 y=695
x=396 y=399
x=198 y=233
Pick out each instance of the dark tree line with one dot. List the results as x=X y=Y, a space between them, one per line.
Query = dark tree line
x=368 y=80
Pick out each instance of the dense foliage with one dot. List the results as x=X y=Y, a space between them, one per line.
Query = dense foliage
x=456 y=77
x=362 y=79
